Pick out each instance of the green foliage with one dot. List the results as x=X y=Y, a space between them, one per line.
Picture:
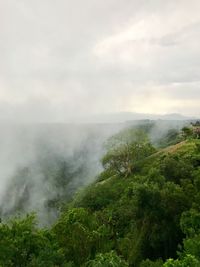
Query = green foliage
x=98 y=197
x=190 y=223
x=187 y=132
x=125 y=150
x=109 y=259
x=175 y=168
x=140 y=221
x=157 y=211
x=148 y=263
x=22 y=243
x=187 y=261
x=172 y=137
x=80 y=236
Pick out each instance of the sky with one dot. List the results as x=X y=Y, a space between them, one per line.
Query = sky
x=64 y=60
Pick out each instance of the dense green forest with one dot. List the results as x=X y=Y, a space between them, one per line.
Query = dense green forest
x=143 y=210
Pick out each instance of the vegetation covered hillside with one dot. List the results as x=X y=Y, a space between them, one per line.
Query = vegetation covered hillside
x=143 y=210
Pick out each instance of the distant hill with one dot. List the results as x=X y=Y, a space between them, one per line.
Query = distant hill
x=131 y=116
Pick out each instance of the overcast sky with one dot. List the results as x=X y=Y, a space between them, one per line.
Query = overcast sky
x=64 y=59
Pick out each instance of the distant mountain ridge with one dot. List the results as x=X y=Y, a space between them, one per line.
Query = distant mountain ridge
x=134 y=116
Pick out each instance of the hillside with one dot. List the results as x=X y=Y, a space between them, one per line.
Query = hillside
x=142 y=210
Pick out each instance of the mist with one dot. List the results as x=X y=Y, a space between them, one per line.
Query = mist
x=42 y=164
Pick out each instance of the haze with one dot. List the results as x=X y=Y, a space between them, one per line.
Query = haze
x=64 y=60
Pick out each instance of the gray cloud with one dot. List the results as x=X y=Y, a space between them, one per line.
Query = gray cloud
x=64 y=59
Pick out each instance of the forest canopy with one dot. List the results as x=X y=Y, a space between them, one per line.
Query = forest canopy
x=143 y=210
